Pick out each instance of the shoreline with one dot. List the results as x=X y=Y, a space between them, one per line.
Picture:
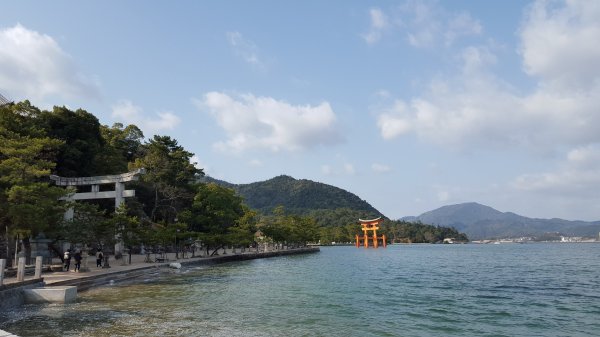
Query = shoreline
x=11 y=292
x=86 y=282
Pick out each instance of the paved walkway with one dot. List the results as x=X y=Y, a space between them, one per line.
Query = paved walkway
x=116 y=266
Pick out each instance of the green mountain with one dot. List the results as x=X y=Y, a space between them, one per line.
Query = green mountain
x=483 y=222
x=330 y=205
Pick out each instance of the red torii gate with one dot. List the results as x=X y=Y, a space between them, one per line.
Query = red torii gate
x=370 y=226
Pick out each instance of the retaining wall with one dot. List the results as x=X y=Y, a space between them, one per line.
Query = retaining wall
x=6 y=334
x=11 y=295
x=85 y=283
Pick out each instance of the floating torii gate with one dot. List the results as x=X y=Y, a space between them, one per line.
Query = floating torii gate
x=118 y=194
x=370 y=226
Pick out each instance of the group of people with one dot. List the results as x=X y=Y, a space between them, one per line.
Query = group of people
x=77 y=257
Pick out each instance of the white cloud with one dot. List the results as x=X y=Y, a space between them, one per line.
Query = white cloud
x=443 y=196
x=255 y=163
x=420 y=22
x=128 y=113
x=339 y=169
x=577 y=176
x=393 y=123
x=246 y=49
x=252 y=122
x=477 y=108
x=426 y=24
x=349 y=169
x=380 y=168
x=461 y=24
x=559 y=44
x=379 y=22
x=34 y=66
x=383 y=94
x=195 y=160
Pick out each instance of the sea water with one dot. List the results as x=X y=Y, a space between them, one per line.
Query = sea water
x=402 y=290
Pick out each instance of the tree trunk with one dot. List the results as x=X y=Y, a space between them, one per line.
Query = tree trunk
x=58 y=252
x=217 y=249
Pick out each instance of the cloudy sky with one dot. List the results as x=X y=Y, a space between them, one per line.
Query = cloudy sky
x=411 y=105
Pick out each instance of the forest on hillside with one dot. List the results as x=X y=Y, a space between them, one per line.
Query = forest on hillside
x=337 y=218
x=300 y=196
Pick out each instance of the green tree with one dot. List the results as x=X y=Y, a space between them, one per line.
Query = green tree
x=128 y=229
x=242 y=233
x=82 y=141
x=89 y=227
x=290 y=228
x=28 y=203
x=167 y=188
x=214 y=211
x=122 y=145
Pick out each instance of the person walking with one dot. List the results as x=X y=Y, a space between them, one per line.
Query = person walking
x=77 y=258
x=99 y=258
x=67 y=259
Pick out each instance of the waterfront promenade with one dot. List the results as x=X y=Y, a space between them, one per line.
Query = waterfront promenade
x=120 y=270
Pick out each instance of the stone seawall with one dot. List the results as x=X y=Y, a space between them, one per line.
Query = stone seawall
x=6 y=334
x=11 y=295
x=88 y=282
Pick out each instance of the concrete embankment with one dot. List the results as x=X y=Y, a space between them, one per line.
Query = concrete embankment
x=85 y=282
x=6 y=334
x=11 y=295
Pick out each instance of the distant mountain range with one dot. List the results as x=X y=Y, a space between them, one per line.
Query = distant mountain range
x=483 y=222
x=333 y=206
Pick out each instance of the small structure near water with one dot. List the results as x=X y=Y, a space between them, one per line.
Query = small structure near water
x=65 y=294
x=370 y=226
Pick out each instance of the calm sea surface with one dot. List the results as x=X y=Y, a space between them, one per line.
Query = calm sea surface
x=404 y=290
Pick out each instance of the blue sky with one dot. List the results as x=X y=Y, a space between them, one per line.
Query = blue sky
x=411 y=105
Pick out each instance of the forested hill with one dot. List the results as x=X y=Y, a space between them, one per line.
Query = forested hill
x=300 y=196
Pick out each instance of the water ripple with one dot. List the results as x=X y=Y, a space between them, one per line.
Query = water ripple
x=408 y=290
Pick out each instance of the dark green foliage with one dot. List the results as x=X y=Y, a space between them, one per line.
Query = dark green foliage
x=214 y=209
x=340 y=234
x=89 y=226
x=334 y=210
x=289 y=229
x=82 y=141
x=340 y=217
x=411 y=232
x=219 y=217
x=28 y=203
x=167 y=188
x=122 y=146
x=299 y=196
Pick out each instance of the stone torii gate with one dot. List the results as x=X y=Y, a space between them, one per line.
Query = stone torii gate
x=118 y=194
